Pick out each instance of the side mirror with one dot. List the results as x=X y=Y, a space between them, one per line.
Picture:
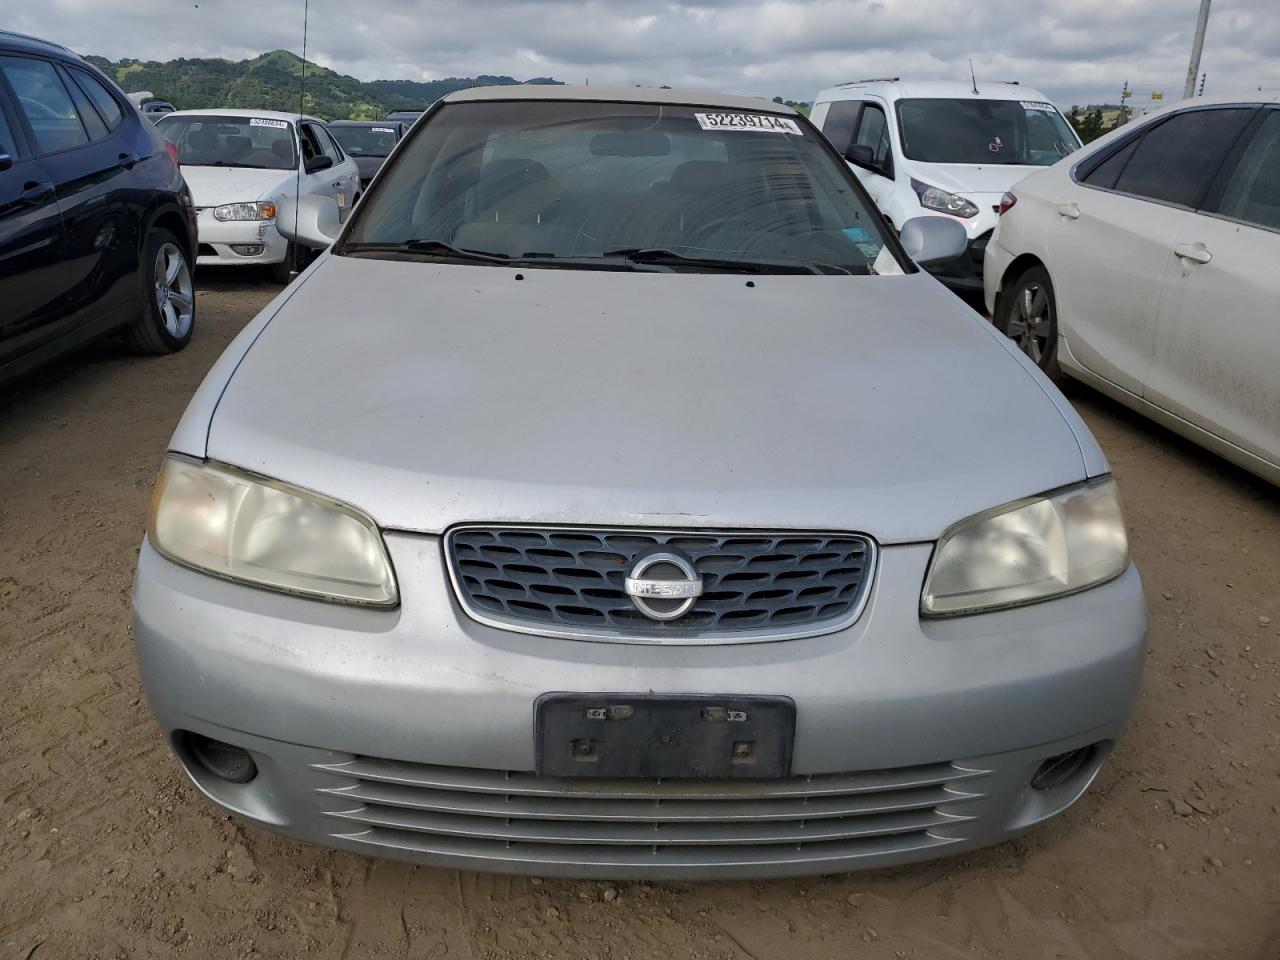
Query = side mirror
x=932 y=240
x=316 y=164
x=6 y=161
x=311 y=221
x=862 y=155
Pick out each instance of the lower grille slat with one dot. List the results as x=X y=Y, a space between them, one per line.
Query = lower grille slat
x=513 y=816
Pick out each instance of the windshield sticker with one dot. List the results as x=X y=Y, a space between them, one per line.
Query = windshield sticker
x=383 y=130
x=1034 y=105
x=759 y=122
x=259 y=122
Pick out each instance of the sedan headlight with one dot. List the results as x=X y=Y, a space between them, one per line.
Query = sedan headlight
x=248 y=528
x=1027 y=551
x=935 y=198
x=261 y=210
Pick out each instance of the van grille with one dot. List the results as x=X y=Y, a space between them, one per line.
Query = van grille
x=569 y=581
x=509 y=816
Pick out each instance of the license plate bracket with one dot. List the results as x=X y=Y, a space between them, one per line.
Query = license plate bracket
x=680 y=736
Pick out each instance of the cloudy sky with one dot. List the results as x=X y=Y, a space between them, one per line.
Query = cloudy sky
x=1076 y=51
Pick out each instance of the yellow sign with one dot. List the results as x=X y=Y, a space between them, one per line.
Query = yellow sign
x=1157 y=95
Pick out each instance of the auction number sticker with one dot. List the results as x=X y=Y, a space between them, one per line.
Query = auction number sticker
x=1034 y=105
x=259 y=122
x=383 y=130
x=759 y=122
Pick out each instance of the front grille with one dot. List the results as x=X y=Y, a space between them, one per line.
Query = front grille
x=507 y=816
x=569 y=581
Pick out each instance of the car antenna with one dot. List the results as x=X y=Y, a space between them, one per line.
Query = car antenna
x=302 y=104
x=972 y=77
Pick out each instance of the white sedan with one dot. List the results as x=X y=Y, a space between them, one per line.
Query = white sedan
x=1146 y=266
x=240 y=164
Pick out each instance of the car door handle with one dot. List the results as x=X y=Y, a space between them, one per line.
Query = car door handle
x=1068 y=210
x=35 y=191
x=339 y=183
x=1195 y=252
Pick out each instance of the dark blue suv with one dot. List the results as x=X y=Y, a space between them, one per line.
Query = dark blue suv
x=97 y=228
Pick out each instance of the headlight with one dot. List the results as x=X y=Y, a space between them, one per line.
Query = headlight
x=262 y=210
x=935 y=198
x=243 y=527
x=1027 y=551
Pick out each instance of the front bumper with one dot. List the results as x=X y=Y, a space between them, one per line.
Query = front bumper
x=217 y=238
x=409 y=733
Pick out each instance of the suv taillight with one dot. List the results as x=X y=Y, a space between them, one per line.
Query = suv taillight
x=171 y=148
x=1006 y=204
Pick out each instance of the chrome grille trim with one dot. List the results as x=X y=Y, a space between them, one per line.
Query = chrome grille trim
x=568 y=581
x=515 y=816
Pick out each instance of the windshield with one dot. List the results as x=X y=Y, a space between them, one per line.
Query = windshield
x=372 y=141
x=1026 y=132
x=213 y=141
x=621 y=186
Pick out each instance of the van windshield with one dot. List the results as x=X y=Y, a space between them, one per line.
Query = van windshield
x=621 y=186
x=1025 y=132
x=206 y=140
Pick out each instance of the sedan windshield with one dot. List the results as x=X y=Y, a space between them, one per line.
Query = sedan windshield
x=1025 y=132
x=372 y=141
x=596 y=185
x=207 y=140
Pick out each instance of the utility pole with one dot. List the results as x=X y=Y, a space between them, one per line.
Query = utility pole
x=1197 y=45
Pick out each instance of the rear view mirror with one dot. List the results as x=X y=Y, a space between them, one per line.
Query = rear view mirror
x=312 y=221
x=862 y=155
x=641 y=143
x=932 y=240
x=316 y=164
x=6 y=161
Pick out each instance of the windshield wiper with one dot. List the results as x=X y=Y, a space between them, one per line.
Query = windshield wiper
x=426 y=249
x=659 y=256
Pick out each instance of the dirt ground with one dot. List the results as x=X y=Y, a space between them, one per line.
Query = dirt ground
x=107 y=851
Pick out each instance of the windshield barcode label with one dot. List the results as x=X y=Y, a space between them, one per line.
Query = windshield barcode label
x=759 y=122
x=1035 y=105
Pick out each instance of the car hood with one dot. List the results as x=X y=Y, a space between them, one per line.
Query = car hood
x=429 y=394
x=211 y=186
x=968 y=179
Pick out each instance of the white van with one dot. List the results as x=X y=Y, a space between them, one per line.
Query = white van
x=943 y=148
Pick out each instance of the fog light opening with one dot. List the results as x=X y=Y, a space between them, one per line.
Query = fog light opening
x=223 y=760
x=1058 y=770
x=247 y=249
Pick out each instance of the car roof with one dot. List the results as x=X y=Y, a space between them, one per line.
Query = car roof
x=363 y=123
x=898 y=89
x=12 y=40
x=691 y=98
x=261 y=114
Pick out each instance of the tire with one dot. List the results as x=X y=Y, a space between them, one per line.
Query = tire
x=1029 y=317
x=168 y=316
x=281 y=272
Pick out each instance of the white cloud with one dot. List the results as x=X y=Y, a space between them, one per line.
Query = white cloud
x=1076 y=51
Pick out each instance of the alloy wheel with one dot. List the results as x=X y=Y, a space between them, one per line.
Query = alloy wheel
x=175 y=294
x=1031 y=322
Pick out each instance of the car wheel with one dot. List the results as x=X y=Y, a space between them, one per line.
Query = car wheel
x=1030 y=318
x=165 y=323
x=282 y=271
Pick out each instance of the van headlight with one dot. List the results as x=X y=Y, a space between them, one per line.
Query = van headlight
x=935 y=198
x=1027 y=551
x=240 y=526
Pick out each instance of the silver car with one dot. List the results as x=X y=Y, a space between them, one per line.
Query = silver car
x=615 y=497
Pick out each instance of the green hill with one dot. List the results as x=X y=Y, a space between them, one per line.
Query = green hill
x=270 y=82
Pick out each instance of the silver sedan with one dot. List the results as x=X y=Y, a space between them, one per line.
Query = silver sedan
x=616 y=497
